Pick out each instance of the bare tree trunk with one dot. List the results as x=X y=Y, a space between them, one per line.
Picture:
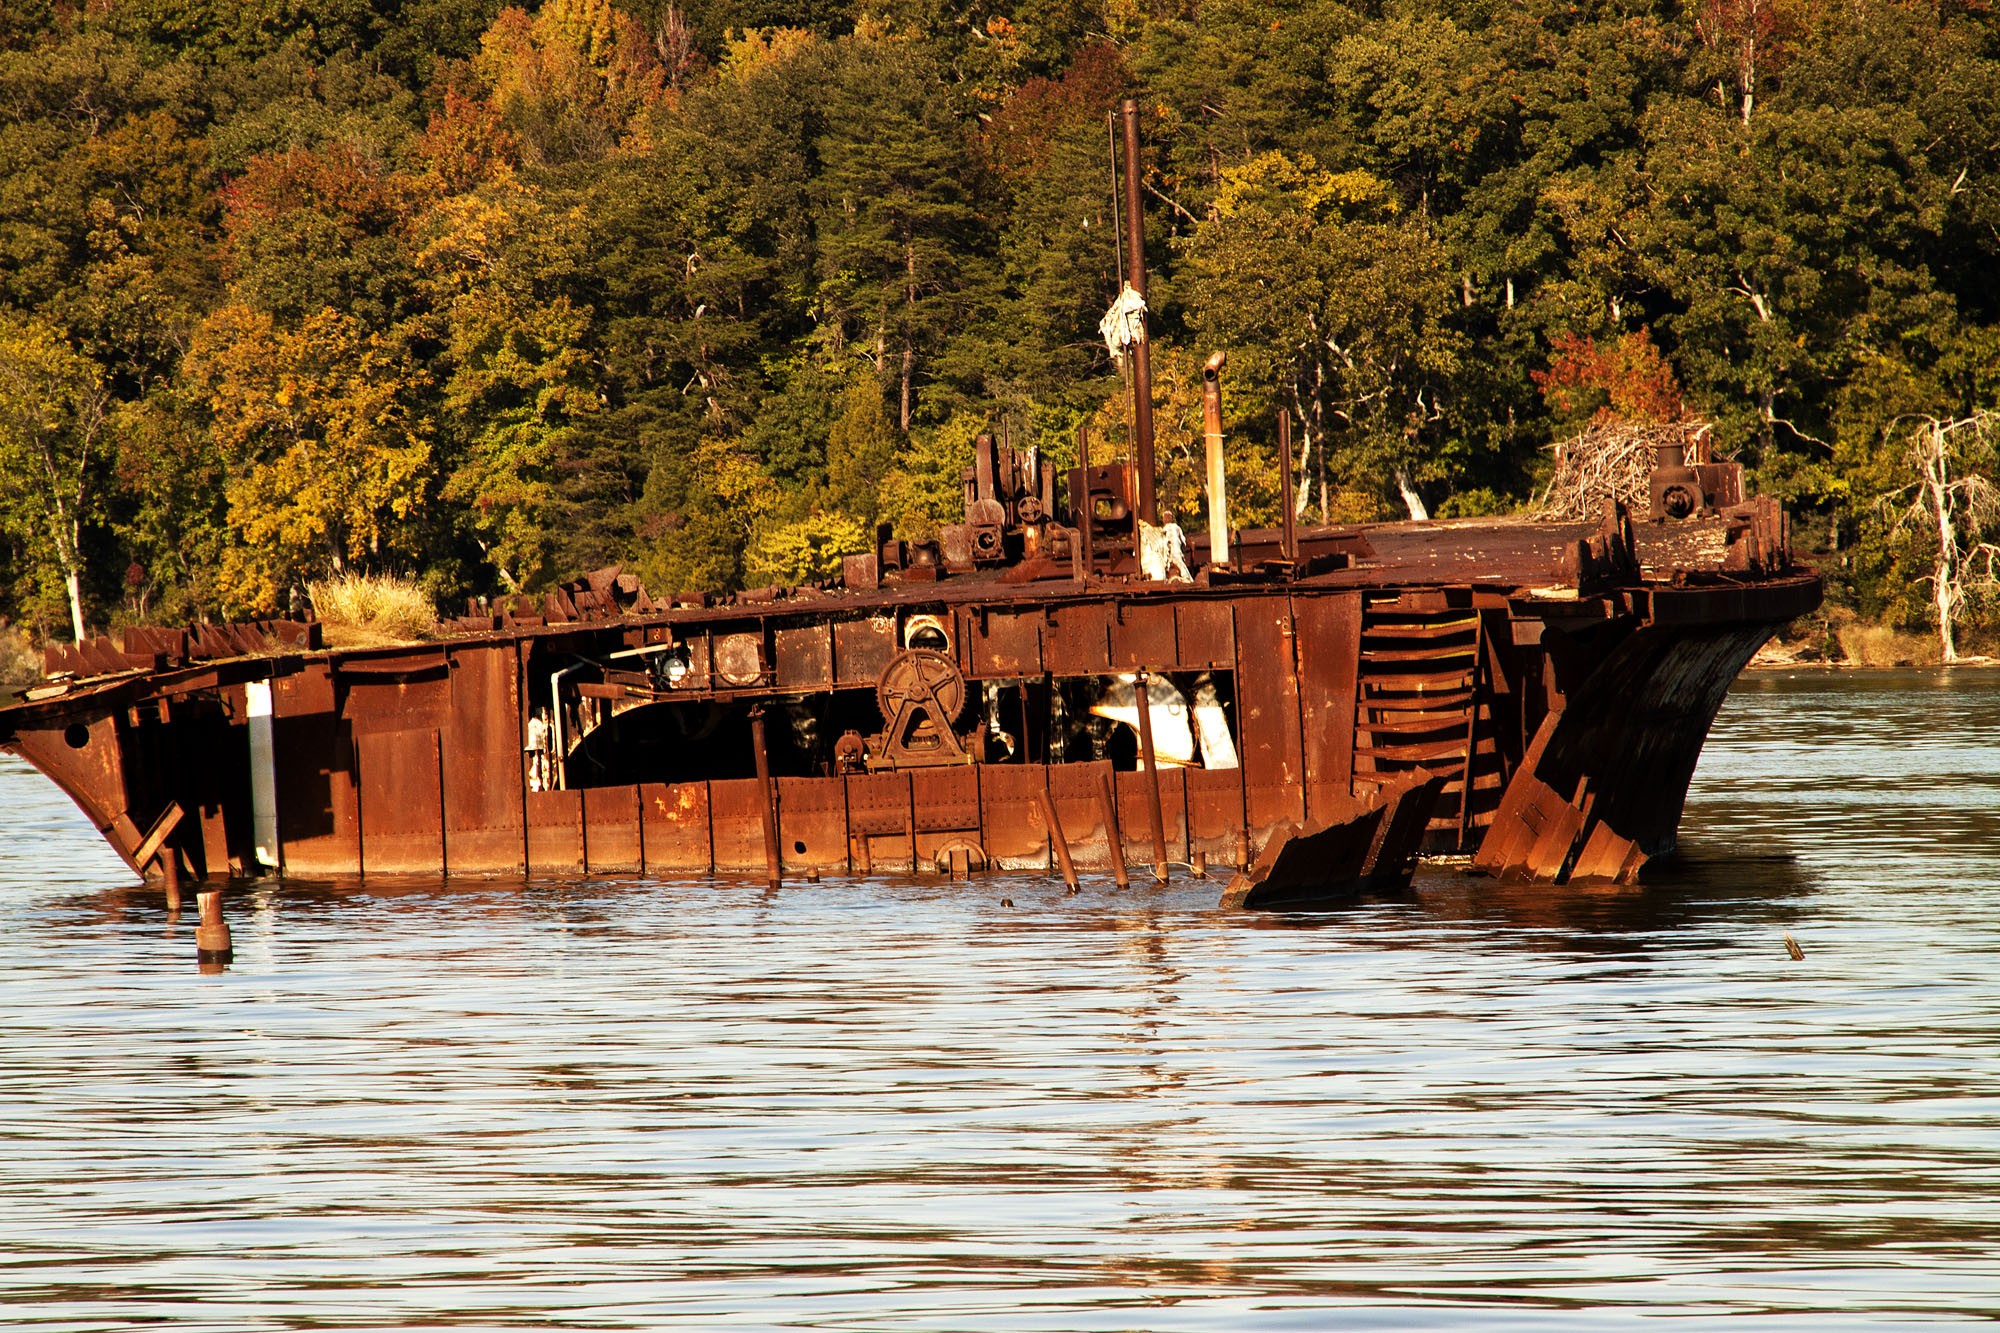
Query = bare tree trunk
x=68 y=535
x=909 y=348
x=1944 y=582
x=909 y=366
x=74 y=582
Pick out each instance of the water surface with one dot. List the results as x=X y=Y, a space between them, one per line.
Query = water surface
x=604 y=1104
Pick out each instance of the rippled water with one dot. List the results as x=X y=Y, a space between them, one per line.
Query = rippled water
x=614 y=1104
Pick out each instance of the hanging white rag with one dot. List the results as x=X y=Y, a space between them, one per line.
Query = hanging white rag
x=1124 y=323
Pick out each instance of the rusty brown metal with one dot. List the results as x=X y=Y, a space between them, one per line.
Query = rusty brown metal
x=1142 y=358
x=1287 y=503
x=1218 y=479
x=1155 y=820
x=613 y=842
x=774 y=861
x=1061 y=843
x=1562 y=717
x=1114 y=840
x=1370 y=846
x=212 y=943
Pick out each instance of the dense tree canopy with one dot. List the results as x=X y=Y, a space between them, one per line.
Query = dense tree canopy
x=486 y=294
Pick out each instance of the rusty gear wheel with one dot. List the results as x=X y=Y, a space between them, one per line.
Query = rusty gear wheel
x=922 y=677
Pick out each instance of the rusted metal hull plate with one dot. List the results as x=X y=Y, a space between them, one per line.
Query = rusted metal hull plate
x=812 y=825
x=1329 y=636
x=1135 y=817
x=1267 y=694
x=1602 y=788
x=1076 y=791
x=1215 y=815
x=555 y=831
x=1143 y=635
x=402 y=808
x=674 y=820
x=1017 y=835
x=881 y=820
x=612 y=840
x=736 y=814
x=482 y=769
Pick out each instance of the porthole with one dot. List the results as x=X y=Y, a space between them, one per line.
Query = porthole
x=76 y=735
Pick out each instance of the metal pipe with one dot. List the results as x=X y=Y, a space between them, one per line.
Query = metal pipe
x=1056 y=837
x=211 y=932
x=170 y=873
x=1154 y=814
x=559 y=760
x=773 y=860
x=1107 y=801
x=1142 y=361
x=1286 y=500
x=1080 y=507
x=1218 y=481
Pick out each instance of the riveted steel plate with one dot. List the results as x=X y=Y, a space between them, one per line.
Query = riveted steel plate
x=611 y=833
x=402 y=814
x=812 y=824
x=674 y=821
x=1077 y=640
x=947 y=798
x=555 y=831
x=736 y=814
x=805 y=657
x=1206 y=634
x=1135 y=795
x=1017 y=835
x=1143 y=635
x=1267 y=710
x=1006 y=643
x=1329 y=632
x=862 y=649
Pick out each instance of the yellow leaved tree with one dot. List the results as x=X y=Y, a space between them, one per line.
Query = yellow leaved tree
x=52 y=403
x=329 y=463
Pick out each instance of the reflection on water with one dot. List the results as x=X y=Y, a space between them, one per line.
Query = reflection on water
x=604 y=1104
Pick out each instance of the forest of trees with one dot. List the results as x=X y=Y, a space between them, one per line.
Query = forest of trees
x=485 y=295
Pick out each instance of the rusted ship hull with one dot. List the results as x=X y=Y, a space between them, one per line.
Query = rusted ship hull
x=1566 y=726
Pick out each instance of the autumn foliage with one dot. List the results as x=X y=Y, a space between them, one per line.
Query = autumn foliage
x=477 y=295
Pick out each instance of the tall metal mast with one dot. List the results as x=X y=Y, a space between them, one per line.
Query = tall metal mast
x=1142 y=360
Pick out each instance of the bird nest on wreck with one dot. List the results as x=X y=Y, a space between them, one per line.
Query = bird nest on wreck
x=1614 y=460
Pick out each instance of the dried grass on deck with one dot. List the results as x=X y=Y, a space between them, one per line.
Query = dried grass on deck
x=1613 y=460
x=361 y=611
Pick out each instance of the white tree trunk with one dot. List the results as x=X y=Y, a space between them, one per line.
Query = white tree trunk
x=1411 y=500
x=1944 y=582
x=74 y=582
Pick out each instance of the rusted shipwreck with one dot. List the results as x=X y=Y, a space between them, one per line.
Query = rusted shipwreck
x=1330 y=700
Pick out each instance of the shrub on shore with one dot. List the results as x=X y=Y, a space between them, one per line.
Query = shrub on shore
x=20 y=664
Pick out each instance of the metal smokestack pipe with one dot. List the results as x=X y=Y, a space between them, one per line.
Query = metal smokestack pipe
x=1142 y=360
x=1218 y=481
x=1290 y=548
